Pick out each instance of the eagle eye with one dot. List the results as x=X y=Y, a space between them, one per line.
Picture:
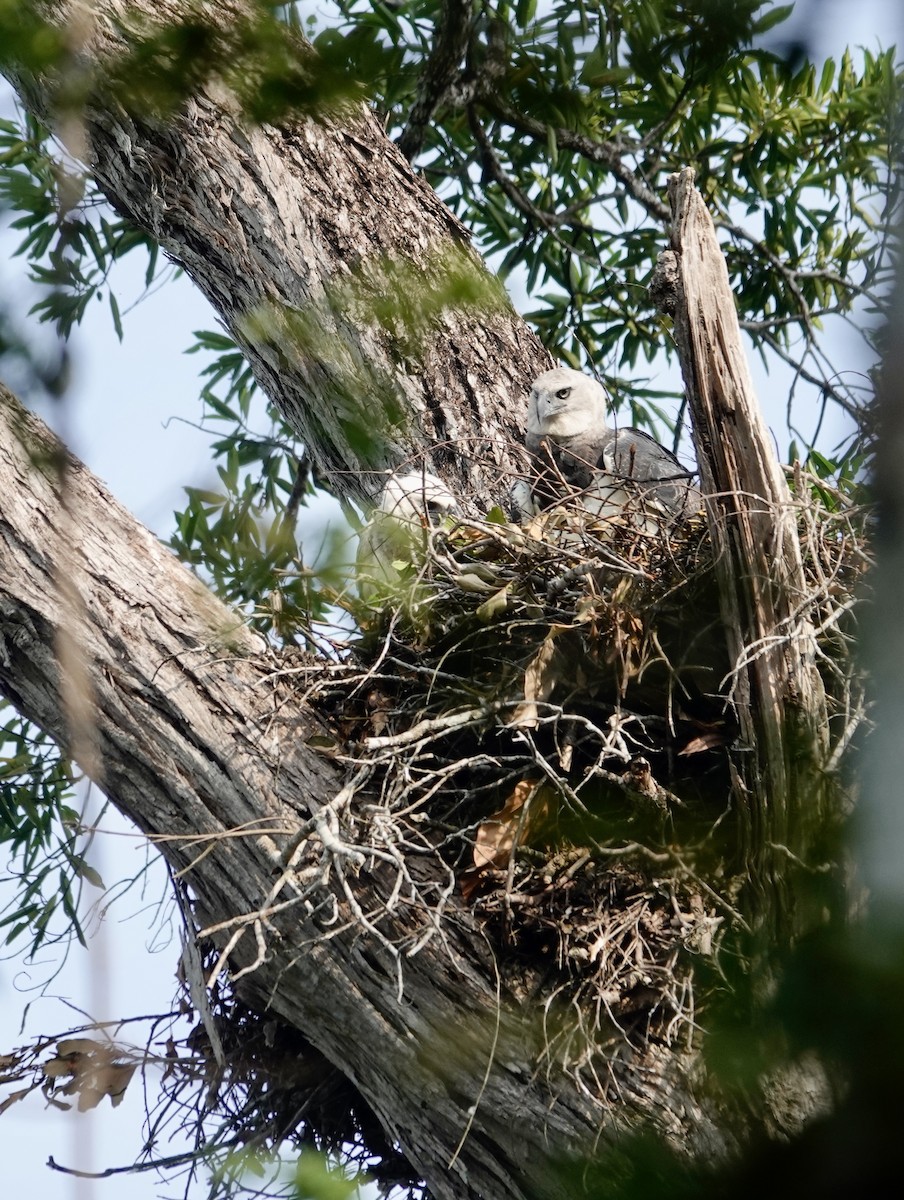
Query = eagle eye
x=563 y=393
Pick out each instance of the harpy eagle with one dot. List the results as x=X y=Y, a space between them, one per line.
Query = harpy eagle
x=574 y=450
x=396 y=534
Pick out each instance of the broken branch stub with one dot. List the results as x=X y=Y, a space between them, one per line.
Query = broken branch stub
x=764 y=598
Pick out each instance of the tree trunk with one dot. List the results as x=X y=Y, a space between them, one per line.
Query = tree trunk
x=202 y=742
x=197 y=732
x=299 y=234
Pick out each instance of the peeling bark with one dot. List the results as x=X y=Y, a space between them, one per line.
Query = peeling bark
x=778 y=692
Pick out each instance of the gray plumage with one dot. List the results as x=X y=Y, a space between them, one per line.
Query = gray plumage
x=398 y=529
x=574 y=450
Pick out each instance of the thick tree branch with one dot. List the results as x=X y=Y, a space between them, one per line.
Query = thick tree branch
x=302 y=235
x=201 y=744
x=193 y=741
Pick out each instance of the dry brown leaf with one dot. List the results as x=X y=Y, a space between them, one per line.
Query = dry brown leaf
x=8 y=1062
x=526 y=809
x=79 y=1045
x=380 y=706
x=12 y=1098
x=708 y=740
x=540 y=679
x=172 y=1057
x=496 y=835
x=97 y=1069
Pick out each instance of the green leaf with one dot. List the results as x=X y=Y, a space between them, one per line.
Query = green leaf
x=88 y=873
x=525 y=11
x=315 y=1179
x=827 y=77
x=773 y=17
x=114 y=310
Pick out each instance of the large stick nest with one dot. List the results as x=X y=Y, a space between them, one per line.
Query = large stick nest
x=548 y=710
x=537 y=725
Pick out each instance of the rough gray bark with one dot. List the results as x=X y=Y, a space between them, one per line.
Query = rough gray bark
x=764 y=596
x=453 y=30
x=276 y=225
x=199 y=743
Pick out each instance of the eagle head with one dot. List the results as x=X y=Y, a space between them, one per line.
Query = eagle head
x=565 y=403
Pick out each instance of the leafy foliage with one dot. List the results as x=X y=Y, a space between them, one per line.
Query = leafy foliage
x=42 y=836
x=69 y=238
x=555 y=141
x=242 y=537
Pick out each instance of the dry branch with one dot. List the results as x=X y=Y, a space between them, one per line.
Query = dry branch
x=753 y=520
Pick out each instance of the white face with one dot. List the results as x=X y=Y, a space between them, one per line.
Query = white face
x=565 y=403
x=416 y=496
